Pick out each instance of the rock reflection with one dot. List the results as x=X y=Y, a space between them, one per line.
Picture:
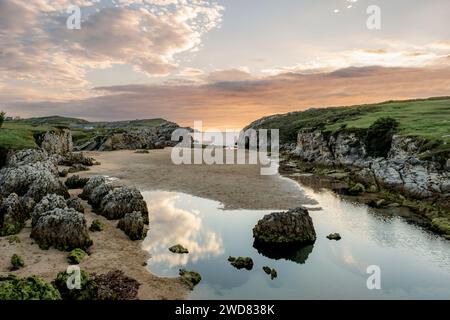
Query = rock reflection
x=298 y=254
x=170 y=224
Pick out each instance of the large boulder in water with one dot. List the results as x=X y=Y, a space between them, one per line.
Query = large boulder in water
x=133 y=225
x=285 y=228
x=12 y=215
x=121 y=201
x=48 y=203
x=64 y=229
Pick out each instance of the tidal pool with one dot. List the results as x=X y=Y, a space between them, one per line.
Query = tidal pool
x=414 y=263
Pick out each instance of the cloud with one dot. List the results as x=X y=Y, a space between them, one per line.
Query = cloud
x=236 y=103
x=37 y=46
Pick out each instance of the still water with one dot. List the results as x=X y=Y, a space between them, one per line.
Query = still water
x=414 y=263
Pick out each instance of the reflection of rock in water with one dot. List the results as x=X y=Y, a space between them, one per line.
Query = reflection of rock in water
x=293 y=253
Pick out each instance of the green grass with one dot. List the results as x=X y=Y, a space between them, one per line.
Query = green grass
x=18 y=136
x=427 y=118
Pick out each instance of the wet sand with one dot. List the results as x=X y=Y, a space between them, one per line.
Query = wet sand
x=235 y=186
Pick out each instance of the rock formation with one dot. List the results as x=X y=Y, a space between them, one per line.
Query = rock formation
x=133 y=226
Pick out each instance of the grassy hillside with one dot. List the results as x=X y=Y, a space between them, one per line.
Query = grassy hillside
x=427 y=118
x=19 y=134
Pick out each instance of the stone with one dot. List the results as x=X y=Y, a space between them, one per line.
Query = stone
x=27 y=156
x=73 y=159
x=357 y=189
x=92 y=183
x=133 y=225
x=75 y=182
x=121 y=201
x=99 y=194
x=47 y=204
x=334 y=236
x=76 y=256
x=96 y=226
x=285 y=228
x=179 y=249
x=34 y=180
x=76 y=204
x=271 y=272
x=56 y=142
x=12 y=215
x=241 y=262
x=64 y=229
x=191 y=278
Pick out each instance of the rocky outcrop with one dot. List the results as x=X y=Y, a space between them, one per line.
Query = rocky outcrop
x=294 y=227
x=57 y=143
x=121 y=201
x=402 y=170
x=99 y=194
x=179 y=249
x=75 y=182
x=12 y=215
x=27 y=156
x=92 y=183
x=29 y=178
x=47 y=204
x=241 y=262
x=133 y=138
x=76 y=204
x=133 y=226
x=64 y=229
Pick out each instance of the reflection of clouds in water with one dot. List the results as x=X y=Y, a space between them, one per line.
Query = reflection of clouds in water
x=170 y=225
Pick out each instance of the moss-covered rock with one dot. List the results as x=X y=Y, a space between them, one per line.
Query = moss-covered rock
x=133 y=225
x=241 y=262
x=441 y=225
x=87 y=291
x=178 y=249
x=31 y=288
x=357 y=189
x=334 y=236
x=16 y=262
x=75 y=182
x=271 y=272
x=76 y=256
x=96 y=226
x=192 y=278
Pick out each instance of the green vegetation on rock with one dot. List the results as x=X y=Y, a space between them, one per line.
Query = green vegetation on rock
x=178 y=249
x=87 y=291
x=441 y=225
x=30 y=288
x=16 y=262
x=96 y=226
x=76 y=256
x=191 y=278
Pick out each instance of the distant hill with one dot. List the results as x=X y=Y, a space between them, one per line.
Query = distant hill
x=19 y=134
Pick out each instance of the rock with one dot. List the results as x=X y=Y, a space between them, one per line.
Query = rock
x=87 y=290
x=12 y=215
x=27 y=156
x=92 y=183
x=142 y=151
x=334 y=236
x=377 y=203
x=285 y=228
x=76 y=256
x=63 y=173
x=121 y=201
x=64 y=229
x=191 y=278
x=133 y=225
x=31 y=288
x=75 y=182
x=76 y=204
x=96 y=226
x=441 y=225
x=73 y=159
x=78 y=168
x=99 y=194
x=115 y=285
x=271 y=272
x=241 y=262
x=447 y=165
x=59 y=143
x=178 y=249
x=372 y=189
x=34 y=180
x=16 y=262
x=357 y=189
x=47 y=204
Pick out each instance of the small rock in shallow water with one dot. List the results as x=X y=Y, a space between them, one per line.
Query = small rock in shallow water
x=334 y=236
x=271 y=272
x=192 y=278
x=178 y=249
x=241 y=262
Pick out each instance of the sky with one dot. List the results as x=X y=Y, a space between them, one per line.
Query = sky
x=225 y=63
